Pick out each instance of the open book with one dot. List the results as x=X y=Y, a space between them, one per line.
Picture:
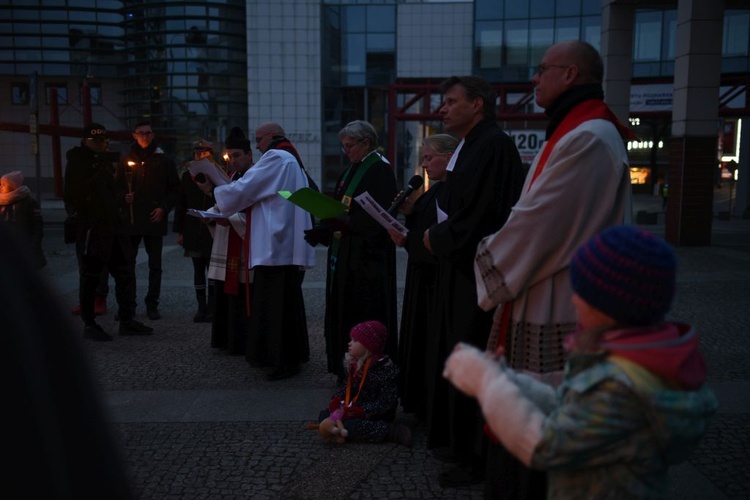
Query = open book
x=209 y=169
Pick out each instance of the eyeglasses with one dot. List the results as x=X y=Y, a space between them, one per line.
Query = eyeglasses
x=429 y=158
x=544 y=67
x=345 y=148
x=144 y=134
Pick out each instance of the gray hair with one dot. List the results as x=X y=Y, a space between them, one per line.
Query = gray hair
x=441 y=143
x=360 y=131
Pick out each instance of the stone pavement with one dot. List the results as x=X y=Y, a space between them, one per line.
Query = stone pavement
x=195 y=422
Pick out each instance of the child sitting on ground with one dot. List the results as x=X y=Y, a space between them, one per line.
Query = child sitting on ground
x=366 y=403
x=634 y=399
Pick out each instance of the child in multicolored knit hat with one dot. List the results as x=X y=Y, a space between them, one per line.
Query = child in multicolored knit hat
x=634 y=399
x=366 y=403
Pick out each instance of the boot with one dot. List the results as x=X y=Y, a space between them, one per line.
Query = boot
x=200 y=316
x=400 y=434
x=100 y=305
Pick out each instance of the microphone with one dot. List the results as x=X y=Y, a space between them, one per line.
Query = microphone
x=414 y=183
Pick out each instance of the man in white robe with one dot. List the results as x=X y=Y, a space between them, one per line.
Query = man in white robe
x=277 y=253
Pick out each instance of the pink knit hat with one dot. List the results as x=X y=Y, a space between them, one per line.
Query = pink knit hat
x=372 y=335
x=13 y=180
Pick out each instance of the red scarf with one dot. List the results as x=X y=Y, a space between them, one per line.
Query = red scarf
x=591 y=109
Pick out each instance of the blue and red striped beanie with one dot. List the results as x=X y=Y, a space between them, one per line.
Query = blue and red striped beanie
x=626 y=273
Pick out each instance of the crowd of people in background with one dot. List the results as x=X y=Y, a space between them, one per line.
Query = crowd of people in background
x=505 y=267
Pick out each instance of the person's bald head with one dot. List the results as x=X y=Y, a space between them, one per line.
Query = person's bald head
x=264 y=133
x=565 y=65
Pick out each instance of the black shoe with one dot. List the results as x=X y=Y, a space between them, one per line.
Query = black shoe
x=96 y=332
x=399 y=434
x=444 y=454
x=283 y=372
x=199 y=317
x=461 y=476
x=153 y=313
x=134 y=327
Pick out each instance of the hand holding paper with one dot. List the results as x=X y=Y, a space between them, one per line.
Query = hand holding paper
x=210 y=170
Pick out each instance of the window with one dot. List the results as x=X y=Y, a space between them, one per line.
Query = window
x=517 y=43
x=19 y=93
x=647 y=37
x=736 y=33
x=489 y=41
x=95 y=91
x=62 y=92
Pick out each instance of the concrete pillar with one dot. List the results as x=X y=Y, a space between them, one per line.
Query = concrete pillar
x=742 y=201
x=618 y=19
x=693 y=148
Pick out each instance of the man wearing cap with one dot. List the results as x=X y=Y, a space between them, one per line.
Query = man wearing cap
x=148 y=179
x=277 y=252
x=103 y=241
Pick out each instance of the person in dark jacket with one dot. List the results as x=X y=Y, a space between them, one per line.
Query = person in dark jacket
x=193 y=235
x=148 y=179
x=361 y=278
x=366 y=402
x=22 y=212
x=90 y=192
x=421 y=271
x=58 y=432
x=485 y=177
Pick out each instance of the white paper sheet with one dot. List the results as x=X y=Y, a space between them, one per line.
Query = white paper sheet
x=379 y=213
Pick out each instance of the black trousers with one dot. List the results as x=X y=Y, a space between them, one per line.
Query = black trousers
x=120 y=261
x=153 y=246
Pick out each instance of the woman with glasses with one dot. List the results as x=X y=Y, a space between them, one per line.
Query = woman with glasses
x=419 y=287
x=361 y=279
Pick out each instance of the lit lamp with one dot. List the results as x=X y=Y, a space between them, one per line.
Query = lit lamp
x=226 y=159
x=129 y=179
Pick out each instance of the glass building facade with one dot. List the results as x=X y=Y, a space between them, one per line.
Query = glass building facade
x=183 y=66
x=186 y=66
x=359 y=50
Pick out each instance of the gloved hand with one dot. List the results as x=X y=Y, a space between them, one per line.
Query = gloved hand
x=513 y=418
x=335 y=404
x=336 y=224
x=318 y=234
x=469 y=369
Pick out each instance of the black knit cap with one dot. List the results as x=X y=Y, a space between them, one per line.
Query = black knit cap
x=237 y=140
x=627 y=273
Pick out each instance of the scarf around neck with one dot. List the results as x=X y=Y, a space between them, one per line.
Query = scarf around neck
x=14 y=196
x=284 y=144
x=559 y=109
